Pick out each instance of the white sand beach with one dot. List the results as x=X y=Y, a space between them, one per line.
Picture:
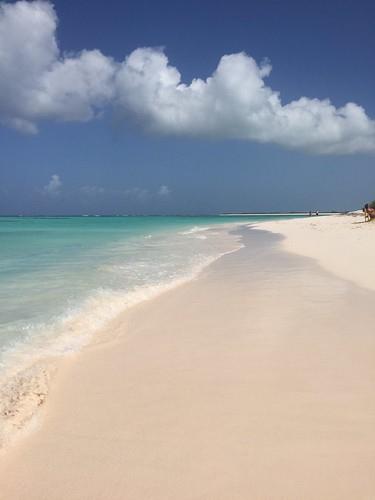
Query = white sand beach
x=342 y=244
x=253 y=381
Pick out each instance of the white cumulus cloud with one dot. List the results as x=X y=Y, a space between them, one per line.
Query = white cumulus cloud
x=53 y=187
x=38 y=82
x=236 y=103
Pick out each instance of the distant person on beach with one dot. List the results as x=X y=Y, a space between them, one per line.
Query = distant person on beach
x=310 y=213
x=317 y=213
x=366 y=212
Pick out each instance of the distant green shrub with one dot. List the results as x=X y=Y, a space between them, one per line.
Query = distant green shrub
x=372 y=204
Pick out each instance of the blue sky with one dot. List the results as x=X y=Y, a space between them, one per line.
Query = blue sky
x=100 y=150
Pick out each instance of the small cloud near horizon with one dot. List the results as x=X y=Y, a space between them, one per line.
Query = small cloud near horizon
x=164 y=190
x=91 y=190
x=53 y=188
x=137 y=193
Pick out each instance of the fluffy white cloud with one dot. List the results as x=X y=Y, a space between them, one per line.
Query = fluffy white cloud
x=236 y=103
x=164 y=190
x=53 y=187
x=38 y=83
x=35 y=81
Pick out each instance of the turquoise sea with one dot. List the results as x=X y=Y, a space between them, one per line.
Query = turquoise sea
x=63 y=278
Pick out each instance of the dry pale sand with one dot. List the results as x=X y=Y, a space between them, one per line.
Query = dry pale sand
x=254 y=381
x=343 y=244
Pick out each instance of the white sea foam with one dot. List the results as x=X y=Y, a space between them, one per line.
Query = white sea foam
x=195 y=229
